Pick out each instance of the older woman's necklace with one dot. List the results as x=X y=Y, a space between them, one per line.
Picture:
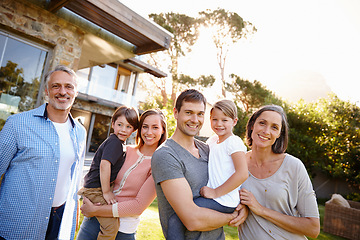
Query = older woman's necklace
x=265 y=169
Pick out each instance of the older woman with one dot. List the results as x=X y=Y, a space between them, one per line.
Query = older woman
x=278 y=192
x=134 y=186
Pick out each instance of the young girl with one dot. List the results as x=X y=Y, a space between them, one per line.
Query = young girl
x=107 y=162
x=227 y=167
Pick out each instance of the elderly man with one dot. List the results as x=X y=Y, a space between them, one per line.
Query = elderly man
x=41 y=157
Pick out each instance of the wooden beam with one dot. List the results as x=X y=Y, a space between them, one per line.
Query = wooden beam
x=147 y=67
x=151 y=47
x=116 y=18
x=55 y=5
x=120 y=12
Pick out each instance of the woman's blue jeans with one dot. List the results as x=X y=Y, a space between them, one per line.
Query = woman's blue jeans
x=176 y=229
x=90 y=228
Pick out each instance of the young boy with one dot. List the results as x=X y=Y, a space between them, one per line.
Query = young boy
x=108 y=159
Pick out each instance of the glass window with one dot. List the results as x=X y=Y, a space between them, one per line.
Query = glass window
x=104 y=76
x=21 y=68
x=110 y=82
x=124 y=83
x=83 y=79
x=100 y=131
x=123 y=80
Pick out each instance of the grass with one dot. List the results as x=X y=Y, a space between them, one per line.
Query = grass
x=150 y=228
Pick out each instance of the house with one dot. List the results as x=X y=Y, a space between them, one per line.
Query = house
x=103 y=41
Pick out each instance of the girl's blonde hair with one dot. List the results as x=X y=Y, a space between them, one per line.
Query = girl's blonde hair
x=227 y=107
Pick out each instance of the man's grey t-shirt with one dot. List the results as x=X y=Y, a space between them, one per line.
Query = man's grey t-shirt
x=171 y=161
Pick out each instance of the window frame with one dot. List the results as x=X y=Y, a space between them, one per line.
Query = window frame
x=37 y=45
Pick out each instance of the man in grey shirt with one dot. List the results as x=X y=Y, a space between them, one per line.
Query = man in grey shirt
x=179 y=168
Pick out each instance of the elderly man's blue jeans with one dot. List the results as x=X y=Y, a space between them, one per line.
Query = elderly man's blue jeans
x=54 y=222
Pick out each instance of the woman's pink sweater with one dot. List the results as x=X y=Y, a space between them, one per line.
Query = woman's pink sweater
x=138 y=190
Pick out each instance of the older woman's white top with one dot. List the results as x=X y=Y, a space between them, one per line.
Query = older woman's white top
x=288 y=191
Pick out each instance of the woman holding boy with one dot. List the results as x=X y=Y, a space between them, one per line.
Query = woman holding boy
x=134 y=186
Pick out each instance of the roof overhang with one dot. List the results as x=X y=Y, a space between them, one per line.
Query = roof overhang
x=97 y=51
x=146 y=67
x=121 y=21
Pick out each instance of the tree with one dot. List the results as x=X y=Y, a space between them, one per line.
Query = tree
x=304 y=121
x=228 y=28
x=341 y=138
x=325 y=135
x=159 y=85
x=249 y=96
x=185 y=33
x=11 y=78
x=155 y=85
x=200 y=82
x=305 y=127
x=12 y=82
x=22 y=94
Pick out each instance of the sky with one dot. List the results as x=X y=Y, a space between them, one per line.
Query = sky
x=302 y=49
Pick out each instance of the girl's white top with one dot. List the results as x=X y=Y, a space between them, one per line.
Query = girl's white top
x=221 y=166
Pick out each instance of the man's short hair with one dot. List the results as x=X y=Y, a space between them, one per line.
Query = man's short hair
x=189 y=95
x=61 y=68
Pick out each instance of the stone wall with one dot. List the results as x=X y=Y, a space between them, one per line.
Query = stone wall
x=93 y=107
x=34 y=23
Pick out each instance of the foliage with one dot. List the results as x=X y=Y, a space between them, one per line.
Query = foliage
x=240 y=127
x=202 y=81
x=353 y=197
x=2 y=123
x=10 y=76
x=228 y=28
x=184 y=29
x=185 y=33
x=12 y=82
x=325 y=134
x=335 y=126
x=249 y=96
x=302 y=136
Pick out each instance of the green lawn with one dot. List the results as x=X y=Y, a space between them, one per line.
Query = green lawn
x=150 y=228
